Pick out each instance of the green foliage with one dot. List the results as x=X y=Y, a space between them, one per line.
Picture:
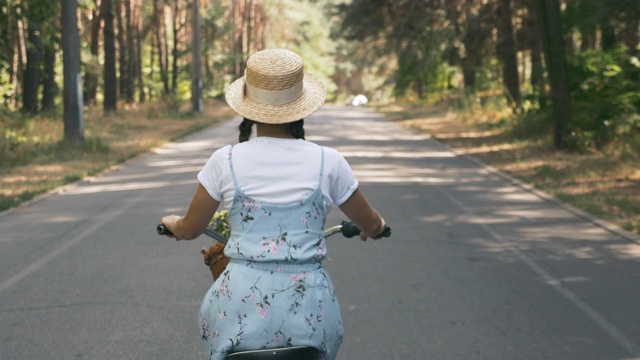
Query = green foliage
x=215 y=30
x=6 y=88
x=301 y=26
x=404 y=38
x=606 y=97
x=581 y=14
x=6 y=13
x=7 y=202
x=422 y=68
x=535 y=123
x=95 y=145
x=39 y=11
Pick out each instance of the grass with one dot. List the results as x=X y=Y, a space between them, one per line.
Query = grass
x=604 y=183
x=34 y=158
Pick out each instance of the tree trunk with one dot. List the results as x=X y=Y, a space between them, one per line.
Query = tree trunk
x=209 y=36
x=122 y=53
x=179 y=22
x=138 y=51
x=507 y=53
x=631 y=37
x=110 y=77
x=152 y=55
x=419 y=86
x=550 y=21
x=238 y=50
x=262 y=28
x=249 y=25
x=468 y=75
x=32 y=73
x=569 y=45
x=154 y=43
x=21 y=61
x=73 y=104
x=161 y=41
x=588 y=40
x=91 y=77
x=49 y=86
x=196 y=84
x=131 y=57
x=607 y=34
x=174 y=50
x=473 y=39
x=537 y=68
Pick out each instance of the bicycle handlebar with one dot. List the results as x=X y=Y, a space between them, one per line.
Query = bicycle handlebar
x=347 y=228
x=161 y=229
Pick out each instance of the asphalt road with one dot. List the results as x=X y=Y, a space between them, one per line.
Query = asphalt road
x=478 y=266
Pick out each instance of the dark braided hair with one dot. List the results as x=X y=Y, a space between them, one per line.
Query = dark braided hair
x=296 y=129
x=245 y=129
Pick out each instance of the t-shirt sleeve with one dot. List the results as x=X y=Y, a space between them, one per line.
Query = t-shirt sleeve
x=342 y=180
x=211 y=175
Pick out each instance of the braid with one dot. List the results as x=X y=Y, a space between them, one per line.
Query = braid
x=245 y=130
x=296 y=129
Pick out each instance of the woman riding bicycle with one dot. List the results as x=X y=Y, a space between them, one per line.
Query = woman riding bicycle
x=278 y=189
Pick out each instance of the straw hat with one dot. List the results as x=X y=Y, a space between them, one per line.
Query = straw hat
x=275 y=89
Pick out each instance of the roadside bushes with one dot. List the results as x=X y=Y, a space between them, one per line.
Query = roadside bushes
x=605 y=90
x=38 y=140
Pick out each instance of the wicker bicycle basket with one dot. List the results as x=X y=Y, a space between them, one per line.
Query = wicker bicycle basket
x=216 y=260
x=214 y=256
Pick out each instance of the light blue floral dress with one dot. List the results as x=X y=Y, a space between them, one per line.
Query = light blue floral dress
x=274 y=292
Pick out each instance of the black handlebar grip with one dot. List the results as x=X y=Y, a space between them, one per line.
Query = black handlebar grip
x=349 y=230
x=386 y=232
x=162 y=230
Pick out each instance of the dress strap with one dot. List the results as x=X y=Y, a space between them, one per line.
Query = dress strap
x=233 y=173
x=321 y=166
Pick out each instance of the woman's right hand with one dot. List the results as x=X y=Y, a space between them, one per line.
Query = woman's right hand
x=365 y=217
x=364 y=236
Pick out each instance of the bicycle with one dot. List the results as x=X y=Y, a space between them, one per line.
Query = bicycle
x=348 y=230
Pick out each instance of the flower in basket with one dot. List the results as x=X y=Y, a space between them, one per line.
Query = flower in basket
x=214 y=256
x=220 y=222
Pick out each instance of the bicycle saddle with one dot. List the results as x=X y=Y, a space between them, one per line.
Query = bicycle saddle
x=290 y=353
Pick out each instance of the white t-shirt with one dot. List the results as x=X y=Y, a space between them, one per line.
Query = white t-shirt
x=278 y=171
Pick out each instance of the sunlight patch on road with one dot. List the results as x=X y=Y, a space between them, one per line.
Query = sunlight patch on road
x=396 y=154
x=178 y=148
x=531 y=214
x=437 y=219
x=164 y=163
x=399 y=174
x=574 y=279
x=486 y=149
x=60 y=219
x=176 y=170
x=626 y=251
x=485 y=220
x=127 y=186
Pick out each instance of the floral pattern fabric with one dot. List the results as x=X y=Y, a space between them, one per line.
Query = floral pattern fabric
x=274 y=292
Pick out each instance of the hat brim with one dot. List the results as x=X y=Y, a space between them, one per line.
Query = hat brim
x=313 y=96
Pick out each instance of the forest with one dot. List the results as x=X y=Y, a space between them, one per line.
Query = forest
x=569 y=63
